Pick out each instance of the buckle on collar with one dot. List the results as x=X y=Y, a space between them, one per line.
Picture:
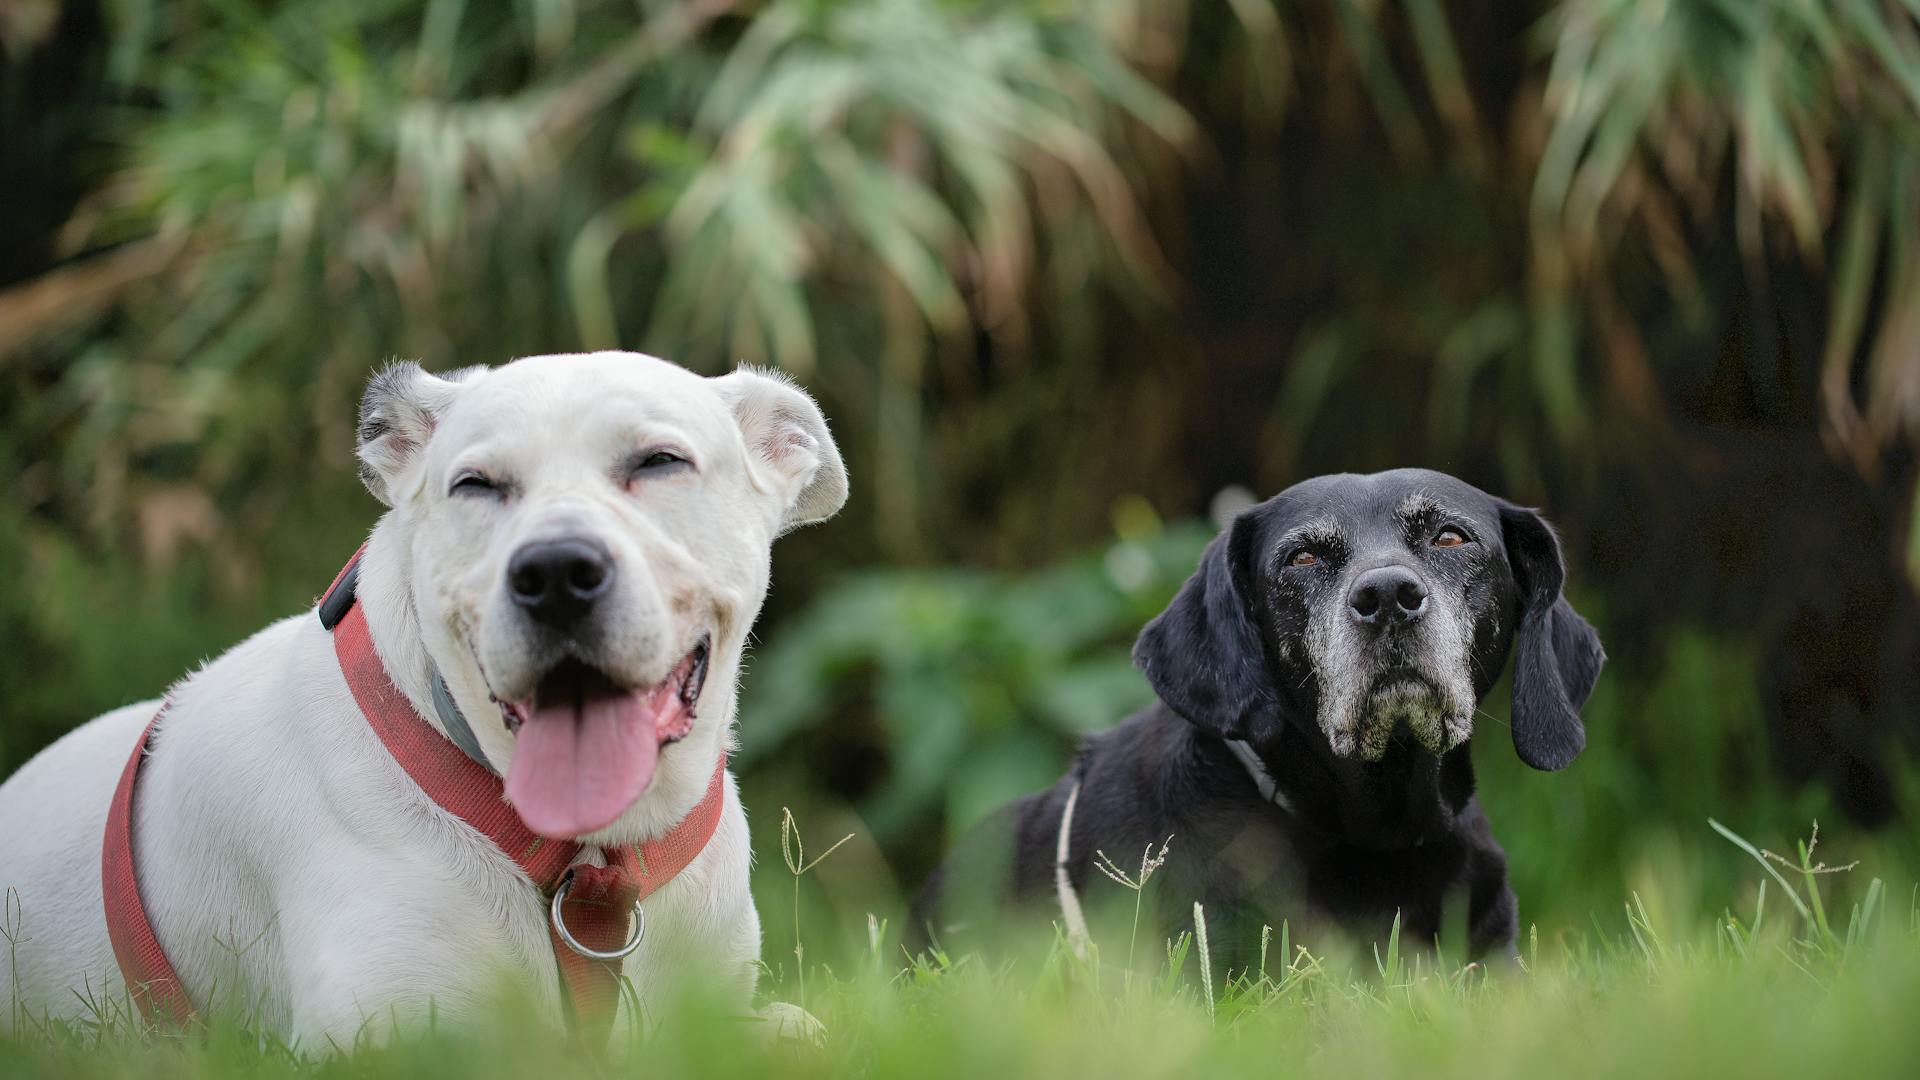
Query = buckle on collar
x=565 y=935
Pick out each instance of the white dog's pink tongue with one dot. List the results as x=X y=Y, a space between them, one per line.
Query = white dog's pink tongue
x=577 y=767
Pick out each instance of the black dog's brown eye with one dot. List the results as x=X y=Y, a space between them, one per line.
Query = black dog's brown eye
x=1449 y=538
x=1303 y=557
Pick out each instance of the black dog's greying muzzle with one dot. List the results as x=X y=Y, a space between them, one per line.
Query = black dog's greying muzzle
x=333 y=607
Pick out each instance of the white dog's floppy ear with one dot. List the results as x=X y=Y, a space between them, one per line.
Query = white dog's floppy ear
x=397 y=416
x=788 y=444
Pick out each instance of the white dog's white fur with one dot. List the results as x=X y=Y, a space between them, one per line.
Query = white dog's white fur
x=290 y=867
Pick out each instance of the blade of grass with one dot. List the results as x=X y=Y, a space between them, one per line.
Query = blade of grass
x=1740 y=842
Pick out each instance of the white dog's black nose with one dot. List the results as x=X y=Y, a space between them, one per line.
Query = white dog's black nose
x=558 y=581
x=1387 y=595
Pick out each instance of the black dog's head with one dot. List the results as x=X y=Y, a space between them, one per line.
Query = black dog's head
x=1374 y=607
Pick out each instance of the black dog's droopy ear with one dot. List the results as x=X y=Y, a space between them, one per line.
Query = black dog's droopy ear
x=1557 y=654
x=1203 y=654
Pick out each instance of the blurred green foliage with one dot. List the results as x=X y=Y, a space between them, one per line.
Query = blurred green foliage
x=960 y=223
x=981 y=687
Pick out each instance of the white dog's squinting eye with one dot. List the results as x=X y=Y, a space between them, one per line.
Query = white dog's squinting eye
x=473 y=484
x=655 y=461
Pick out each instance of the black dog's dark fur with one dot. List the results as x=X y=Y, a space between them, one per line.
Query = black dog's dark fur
x=1364 y=840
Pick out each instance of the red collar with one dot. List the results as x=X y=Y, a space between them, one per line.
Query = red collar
x=600 y=901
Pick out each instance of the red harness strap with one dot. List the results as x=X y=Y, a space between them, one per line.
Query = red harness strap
x=150 y=977
x=599 y=906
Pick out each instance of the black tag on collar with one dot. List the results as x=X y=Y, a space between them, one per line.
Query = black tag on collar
x=335 y=604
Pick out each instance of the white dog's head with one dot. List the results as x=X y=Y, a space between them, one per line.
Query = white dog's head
x=587 y=543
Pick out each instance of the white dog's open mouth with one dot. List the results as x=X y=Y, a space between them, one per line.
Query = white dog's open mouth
x=586 y=747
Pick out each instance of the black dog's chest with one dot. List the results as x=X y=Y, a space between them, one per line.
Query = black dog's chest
x=1364 y=890
x=1263 y=876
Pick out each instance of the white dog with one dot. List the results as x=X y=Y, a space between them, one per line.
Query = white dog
x=576 y=548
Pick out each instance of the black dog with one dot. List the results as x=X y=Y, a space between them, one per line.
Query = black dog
x=1318 y=676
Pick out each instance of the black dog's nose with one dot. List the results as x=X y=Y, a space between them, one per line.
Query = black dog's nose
x=557 y=581
x=1387 y=594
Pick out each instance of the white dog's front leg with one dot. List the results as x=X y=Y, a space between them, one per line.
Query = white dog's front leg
x=353 y=1001
x=783 y=1022
x=374 y=949
x=743 y=956
x=780 y=1021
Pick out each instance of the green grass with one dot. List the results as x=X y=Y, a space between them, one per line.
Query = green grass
x=1815 y=973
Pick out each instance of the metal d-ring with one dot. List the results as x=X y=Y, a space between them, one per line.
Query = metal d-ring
x=560 y=926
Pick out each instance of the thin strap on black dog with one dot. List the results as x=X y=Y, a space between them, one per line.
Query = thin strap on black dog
x=1070 y=912
x=1262 y=779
